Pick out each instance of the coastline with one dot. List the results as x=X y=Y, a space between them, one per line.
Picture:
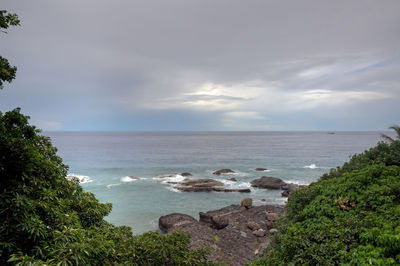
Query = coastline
x=235 y=234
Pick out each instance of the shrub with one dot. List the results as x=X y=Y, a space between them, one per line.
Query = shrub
x=350 y=216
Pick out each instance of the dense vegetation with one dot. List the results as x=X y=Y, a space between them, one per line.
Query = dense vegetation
x=350 y=216
x=46 y=219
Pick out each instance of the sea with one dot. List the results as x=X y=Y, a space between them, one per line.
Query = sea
x=104 y=161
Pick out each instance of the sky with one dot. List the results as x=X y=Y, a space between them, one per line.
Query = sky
x=204 y=65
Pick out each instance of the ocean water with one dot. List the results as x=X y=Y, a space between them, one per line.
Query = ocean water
x=105 y=159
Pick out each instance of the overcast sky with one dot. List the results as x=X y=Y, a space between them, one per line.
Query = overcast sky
x=205 y=65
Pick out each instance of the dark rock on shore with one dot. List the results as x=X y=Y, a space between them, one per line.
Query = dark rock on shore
x=174 y=221
x=268 y=182
x=288 y=188
x=261 y=169
x=226 y=231
x=224 y=171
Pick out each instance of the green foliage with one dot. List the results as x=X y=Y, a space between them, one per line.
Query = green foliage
x=47 y=219
x=7 y=72
x=386 y=153
x=350 y=216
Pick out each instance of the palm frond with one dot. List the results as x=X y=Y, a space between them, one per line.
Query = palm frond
x=387 y=138
x=397 y=129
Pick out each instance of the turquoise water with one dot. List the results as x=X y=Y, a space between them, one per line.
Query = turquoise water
x=106 y=158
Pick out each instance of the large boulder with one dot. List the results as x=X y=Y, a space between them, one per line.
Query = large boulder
x=268 y=182
x=247 y=203
x=175 y=221
x=224 y=172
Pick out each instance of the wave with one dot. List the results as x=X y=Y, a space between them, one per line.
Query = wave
x=126 y=179
x=311 y=166
x=113 y=185
x=233 y=184
x=297 y=182
x=171 y=188
x=83 y=179
x=170 y=178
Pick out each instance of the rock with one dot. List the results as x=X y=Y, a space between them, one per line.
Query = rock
x=186 y=174
x=167 y=175
x=247 y=203
x=261 y=169
x=174 y=221
x=225 y=231
x=134 y=177
x=268 y=182
x=253 y=225
x=242 y=190
x=273 y=231
x=201 y=182
x=224 y=171
x=271 y=216
x=232 y=179
x=269 y=224
x=263 y=200
x=212 y=189
x=285 y=193
x=259 y=232
x=219 y=222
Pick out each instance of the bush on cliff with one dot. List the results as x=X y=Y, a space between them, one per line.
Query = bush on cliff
x=350 y=216
x=47 y=219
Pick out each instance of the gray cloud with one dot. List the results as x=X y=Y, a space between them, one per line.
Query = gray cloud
x=292 y=65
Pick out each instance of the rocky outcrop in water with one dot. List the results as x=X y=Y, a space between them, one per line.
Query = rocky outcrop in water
x=235 y=234
x=261 y=169
x=268 y=182
x=205 y=185
x=224 y=172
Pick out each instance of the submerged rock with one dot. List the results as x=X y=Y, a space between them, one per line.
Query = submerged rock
x=268 y=182
x=232 y=179
x=186 y=174
x=167 y=175
x=224 y=171
x=261 y=169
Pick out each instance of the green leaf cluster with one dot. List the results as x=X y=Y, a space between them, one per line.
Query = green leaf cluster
x=7 y=72
x=351 y=216
x=46 y=219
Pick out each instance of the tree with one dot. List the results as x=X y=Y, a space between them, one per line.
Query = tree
x=396 y=128
x=46 y=219
x=7 y=72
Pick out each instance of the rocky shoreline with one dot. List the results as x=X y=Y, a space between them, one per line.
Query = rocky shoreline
x=235 y=234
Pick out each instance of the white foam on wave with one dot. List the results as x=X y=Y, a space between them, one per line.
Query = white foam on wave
x=311 y=166
x=170 y=178
x=173 y=189
x=81 y=178
x=126 y=179
x=298 y=182
x=113 y=185
x=233 y=184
